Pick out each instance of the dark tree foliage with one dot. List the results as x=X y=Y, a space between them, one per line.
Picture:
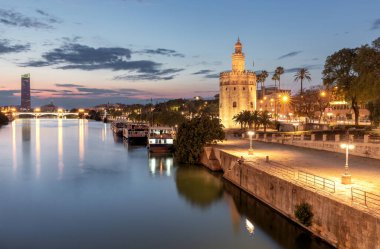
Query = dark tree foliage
x=374 y=110
x=95 y=115
x=3 y=119
x=356 y=74
x=193 y=135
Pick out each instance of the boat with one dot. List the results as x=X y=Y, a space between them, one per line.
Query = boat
x=117 y=127
x=136 y=133
x=160 y=139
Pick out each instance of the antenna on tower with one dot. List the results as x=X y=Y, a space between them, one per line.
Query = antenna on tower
x=253 y=63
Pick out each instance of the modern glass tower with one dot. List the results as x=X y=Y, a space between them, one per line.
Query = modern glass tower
x=25 y=92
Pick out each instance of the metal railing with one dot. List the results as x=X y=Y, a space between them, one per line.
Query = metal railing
x=316 y=181
x=366 y=198
x=280 y=169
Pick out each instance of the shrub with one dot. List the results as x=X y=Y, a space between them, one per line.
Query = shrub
x=3 y=119
x=304 y=213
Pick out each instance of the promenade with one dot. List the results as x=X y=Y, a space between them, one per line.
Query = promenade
x=365 y=171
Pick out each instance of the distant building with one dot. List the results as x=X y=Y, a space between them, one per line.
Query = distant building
x=49 y=108
x=275 y=101
x=25 y=92
x=237 y=89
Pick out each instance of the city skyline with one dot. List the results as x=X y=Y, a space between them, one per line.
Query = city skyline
x=85 y=53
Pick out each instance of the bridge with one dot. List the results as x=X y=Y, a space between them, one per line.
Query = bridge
x=41 y=114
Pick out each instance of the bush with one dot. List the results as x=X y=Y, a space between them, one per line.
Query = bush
x=193 y=135
x=304 y=214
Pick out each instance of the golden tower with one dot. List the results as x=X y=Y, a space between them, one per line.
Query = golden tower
x=237 y=90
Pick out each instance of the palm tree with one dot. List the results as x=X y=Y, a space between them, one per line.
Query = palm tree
x=275 y=78
x=263 y=76
x=238 y=118
x=256 y=119
x=265 y=120
x=279 y=71
x=303 y=73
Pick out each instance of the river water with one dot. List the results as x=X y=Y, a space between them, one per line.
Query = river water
x=72 y=184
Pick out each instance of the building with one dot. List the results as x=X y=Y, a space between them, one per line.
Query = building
x=49 y=108
x=276 y=101
x=25 y=92
x=237 y=90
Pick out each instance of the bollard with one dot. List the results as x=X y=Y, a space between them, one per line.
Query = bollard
x=267 y=159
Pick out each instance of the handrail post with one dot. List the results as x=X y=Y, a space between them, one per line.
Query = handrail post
x=365 y=198
x=352 y=194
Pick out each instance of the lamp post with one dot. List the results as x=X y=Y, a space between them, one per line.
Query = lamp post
x=250 y=134
x=346 y=177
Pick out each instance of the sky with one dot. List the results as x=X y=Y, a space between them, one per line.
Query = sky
x=85 y=52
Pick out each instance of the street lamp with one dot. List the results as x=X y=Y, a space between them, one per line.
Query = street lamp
x=250 y=134
x=346 y=177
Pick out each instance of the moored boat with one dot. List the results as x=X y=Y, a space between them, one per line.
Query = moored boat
x=136 y=133
x=117 y=127
x=160 y=139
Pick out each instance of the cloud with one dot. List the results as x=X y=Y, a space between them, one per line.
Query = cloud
x=212 y=76
x=83 y=57
x=68 y=85
x=50 y=18
x=17 y=19
x=6 y=47
x=376 y=24
x=161 y=51
x=291 y=54
x=8 y=93
x=296 y=69
x=204 y=71
x=166 y=74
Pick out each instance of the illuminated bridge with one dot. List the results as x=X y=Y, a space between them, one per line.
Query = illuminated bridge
x=42 y=114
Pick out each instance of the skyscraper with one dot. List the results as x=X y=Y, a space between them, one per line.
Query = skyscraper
x=25 y=92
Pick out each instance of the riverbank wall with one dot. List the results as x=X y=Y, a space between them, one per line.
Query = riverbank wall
x=341 y=224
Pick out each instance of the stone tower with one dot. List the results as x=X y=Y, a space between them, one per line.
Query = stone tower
x=237 y=89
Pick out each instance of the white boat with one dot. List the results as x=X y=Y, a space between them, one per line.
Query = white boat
x=161 y=139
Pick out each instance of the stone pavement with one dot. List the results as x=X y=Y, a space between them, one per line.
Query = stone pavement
x=365 y=171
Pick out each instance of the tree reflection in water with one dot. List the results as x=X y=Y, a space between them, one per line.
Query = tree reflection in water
x=198 y=186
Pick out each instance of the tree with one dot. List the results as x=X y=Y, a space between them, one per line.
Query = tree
x=275 y=78
x=239 y=118
x=261 y=79
x=279 y=71
x=194 y=134
x=256 y=119
x=265 y=120
x=3 y=119
x=339 y=71
x=301 y=75
x=374 y=112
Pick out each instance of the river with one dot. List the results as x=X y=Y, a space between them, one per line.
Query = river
x=72 y=184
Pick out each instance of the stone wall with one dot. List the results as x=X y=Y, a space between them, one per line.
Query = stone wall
x=340 y=224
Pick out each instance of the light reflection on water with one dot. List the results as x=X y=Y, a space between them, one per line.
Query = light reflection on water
x=72 y=184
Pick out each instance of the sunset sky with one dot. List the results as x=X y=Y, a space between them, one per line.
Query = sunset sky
x=86 y=52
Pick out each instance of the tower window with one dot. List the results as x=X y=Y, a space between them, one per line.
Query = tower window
x=251 y=104
x=243 y=88
x=226 y=88
x=234 y=88
x=234 y=104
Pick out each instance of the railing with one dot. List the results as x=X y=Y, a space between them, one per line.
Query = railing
x=316 y=181
x=374 y=139
x=366 y=198
x=283 y=170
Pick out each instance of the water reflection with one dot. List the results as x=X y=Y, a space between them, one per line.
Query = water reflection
x=198 y=186
x=38 y=148
x=81 y=142
x=280 y=229
x=60 y=149
x=14 y=147
x=160 y=164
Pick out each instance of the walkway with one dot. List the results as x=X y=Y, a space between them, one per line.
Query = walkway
x=365 y=171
